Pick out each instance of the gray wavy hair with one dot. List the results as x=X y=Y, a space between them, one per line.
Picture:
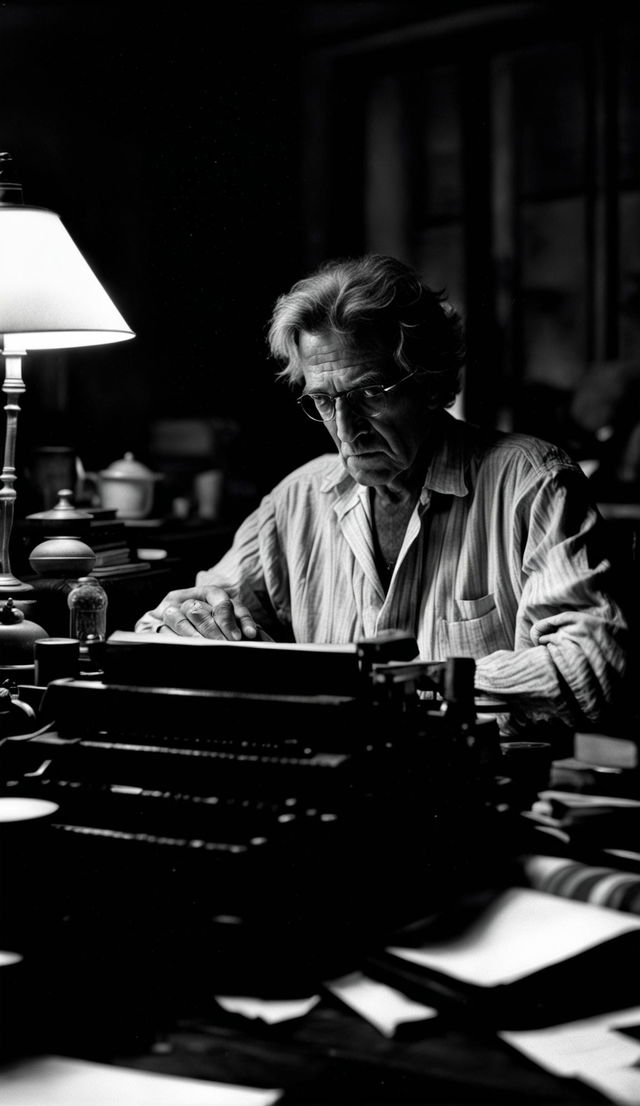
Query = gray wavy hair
x=380 y=304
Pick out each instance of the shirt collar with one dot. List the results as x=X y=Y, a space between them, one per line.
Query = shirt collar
x=449 y=465
x=446 y=472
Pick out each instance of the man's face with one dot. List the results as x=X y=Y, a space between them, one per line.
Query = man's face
x=376 y=450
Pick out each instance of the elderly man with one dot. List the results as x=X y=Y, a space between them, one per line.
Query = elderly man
x=480 y=544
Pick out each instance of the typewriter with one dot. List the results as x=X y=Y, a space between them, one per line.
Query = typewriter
x=250 y=817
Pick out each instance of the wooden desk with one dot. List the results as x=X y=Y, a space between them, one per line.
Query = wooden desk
x=329 y=1057
x=332 y=1057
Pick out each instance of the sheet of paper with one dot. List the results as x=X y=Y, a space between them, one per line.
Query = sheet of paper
x=622 y=1085
x=270 y=1010
x=58 y=1081
x=520 y=932
x=591 y=1050
x=133 y=637
x=383 y=1006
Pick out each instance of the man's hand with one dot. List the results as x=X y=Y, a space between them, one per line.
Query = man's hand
x=206 y=612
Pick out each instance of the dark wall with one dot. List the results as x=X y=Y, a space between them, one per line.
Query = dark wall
x=167 y=139
x=204 y=158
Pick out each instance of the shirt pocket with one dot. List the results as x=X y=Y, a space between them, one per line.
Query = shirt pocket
x=477 y=632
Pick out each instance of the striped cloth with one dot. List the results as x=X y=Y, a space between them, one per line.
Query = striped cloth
x=572 y=879
x=499 y=562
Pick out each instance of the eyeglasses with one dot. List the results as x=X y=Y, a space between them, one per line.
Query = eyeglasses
x=369 y=401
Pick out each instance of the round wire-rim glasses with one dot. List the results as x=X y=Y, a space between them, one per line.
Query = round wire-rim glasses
x=369 y=400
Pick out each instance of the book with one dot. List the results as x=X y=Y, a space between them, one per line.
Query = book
x=112 y=557
x=133 y=567
x=105 y=546
x=525 y=958
x=582 y=820
x=559 y=803
x=609 y=750
x=610 y=819
x=105 y=528
x=103 y=514
x=107 y=534
x=571 y=774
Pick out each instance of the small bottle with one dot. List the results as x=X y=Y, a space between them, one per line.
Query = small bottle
x=87 y=603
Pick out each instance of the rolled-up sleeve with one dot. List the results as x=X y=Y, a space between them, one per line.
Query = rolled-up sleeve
x=280 y=532
x=571 y=636
x=254 y=571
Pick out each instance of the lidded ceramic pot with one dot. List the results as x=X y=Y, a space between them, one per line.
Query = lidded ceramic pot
x=128 y=486
x=64 y=518
x=63 y=555
x=17 y=639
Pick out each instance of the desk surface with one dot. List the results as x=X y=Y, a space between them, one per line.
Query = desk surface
x=331 y=1056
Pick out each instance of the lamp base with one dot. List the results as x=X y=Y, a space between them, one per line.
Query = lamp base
x=11 y=586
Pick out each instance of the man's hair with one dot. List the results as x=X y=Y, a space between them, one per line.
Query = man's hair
x=381 y=305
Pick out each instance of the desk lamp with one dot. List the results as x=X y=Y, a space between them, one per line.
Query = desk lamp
x=49 y=299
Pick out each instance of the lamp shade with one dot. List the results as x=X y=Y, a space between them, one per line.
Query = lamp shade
x=49 y=296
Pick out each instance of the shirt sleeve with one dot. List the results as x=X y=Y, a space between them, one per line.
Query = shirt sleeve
x=254 y=571
x=571 y=637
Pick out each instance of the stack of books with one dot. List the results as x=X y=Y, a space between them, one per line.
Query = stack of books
x=108 y=537
x=601 y=764
x=592 y=803
x=99 y=527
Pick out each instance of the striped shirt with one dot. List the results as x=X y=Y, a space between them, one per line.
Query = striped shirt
x=500 y=562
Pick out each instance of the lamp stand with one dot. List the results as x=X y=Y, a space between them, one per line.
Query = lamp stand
x=13 y=386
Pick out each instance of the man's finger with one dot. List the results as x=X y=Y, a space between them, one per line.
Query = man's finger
x=177 y=621
x=202 y=617
x=248 y=627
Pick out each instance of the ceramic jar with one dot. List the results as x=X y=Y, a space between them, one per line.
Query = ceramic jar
x=128 y=486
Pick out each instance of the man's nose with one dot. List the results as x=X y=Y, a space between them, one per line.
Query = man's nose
x=348 y=423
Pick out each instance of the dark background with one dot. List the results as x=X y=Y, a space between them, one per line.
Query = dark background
x=166 y=138
x=203 y=159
